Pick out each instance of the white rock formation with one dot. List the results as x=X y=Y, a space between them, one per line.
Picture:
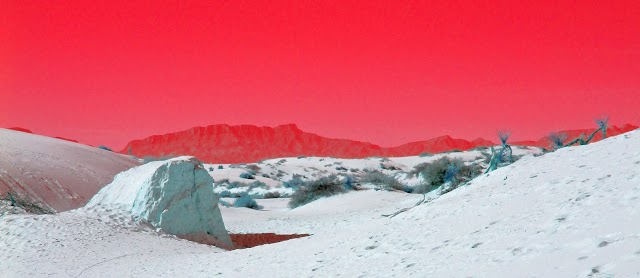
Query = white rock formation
x=174 y=196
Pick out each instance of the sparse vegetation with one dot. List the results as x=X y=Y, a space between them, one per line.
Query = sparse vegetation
x=14 y=200
x=224 y=194
x=248 y=176
x=557 y=139
x=503 y=155
x=246 y=201
x=294 y=183
x=444 y=170
x=382 y=181
x=272 y=195
x=105 y=148
x=316 y=189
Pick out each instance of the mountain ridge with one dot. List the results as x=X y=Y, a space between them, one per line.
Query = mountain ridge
x=223 y=143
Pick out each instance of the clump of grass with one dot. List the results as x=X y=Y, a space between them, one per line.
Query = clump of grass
x=383 y=181
x=445 y=170
x=316 y=189
x=272 y=195
x=15 y=200
x=224 y=194
x=248 y=176
x=294 y=183
x=246 y=201
x=557 y=139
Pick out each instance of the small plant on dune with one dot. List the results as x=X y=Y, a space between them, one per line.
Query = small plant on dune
x=16 y=200
x=220 y=182
x=224 y=194
x=445 y=170
x=105 y=148
x=383 y=181
x=247 y=176
x=349 y=183
x=272 y=195
x=236 y=184
x=294 y=183
x=220 y=167
x=602 y=122
x=557 y=139
x=425 y=154
x=503 y=155
x=246 y=201
x=257 y=184
x=253 y=168
x=316 y=189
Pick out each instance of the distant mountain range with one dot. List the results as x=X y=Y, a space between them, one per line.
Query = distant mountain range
x=249 y=143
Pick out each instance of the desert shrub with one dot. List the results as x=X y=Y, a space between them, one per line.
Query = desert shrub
x=295 y=182
x=301 y=157
x=254 y=168
x=220 y=167
x=245 y=201
x=272 y=195
x=388 y=166
x=340 y=168
x=446 y=170
x=236 y=184
x=382 y=181
x=504 y=135
x=349 y=183
x=425 y=154
x=257 y=184
x=316 y=189
x=248 y=176
x=105 y=148
x=220 y=182
x=557 y=139
x=353 y=170
x=210 y=169
x=224 y=194
x=15 y=200
x=265 y=176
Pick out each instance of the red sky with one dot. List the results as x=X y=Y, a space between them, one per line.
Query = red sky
x=388 y=72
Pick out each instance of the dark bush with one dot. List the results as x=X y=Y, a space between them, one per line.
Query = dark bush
x=224 y=194
x=247 y=176
x=15 y=200
x=246 y=201
x=382 y=180
x=316 y=189
x=220 y=182
x=272 y=195
x=236 y=184
x=444 y=169
x=220 y=167
x=294 y=183
x=105 y=148
x=257 y=184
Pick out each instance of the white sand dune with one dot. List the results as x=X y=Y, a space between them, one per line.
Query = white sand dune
x=55 y=173
x=571 y=213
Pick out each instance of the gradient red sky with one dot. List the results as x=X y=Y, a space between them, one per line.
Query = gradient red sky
x=388 y=72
